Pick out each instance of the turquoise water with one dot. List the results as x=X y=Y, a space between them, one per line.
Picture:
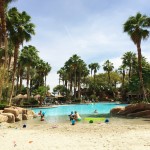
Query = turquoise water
x=61 y=112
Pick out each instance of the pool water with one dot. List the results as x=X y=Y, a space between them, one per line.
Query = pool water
x=61 y=112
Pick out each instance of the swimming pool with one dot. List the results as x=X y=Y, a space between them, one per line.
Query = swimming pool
x=83 y=109
x=61 y=112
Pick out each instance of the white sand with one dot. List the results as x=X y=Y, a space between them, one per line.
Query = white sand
x=82 y=136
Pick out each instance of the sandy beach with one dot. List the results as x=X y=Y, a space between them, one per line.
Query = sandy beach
x=122 y=134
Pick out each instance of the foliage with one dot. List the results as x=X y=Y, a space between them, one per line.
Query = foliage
x=41 y=91
x=60 y=89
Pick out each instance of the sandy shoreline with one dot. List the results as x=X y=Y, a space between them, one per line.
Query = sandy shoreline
x=126 y=134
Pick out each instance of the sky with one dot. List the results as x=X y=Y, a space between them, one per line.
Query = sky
x=92 y=29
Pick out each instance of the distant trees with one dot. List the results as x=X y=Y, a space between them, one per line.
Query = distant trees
x=15 y=29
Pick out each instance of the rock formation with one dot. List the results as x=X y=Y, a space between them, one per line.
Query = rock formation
x=13 y=114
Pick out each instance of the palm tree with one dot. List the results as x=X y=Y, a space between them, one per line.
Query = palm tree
x=74 y=61
x=108 y=67
x=3 y=34
x=91 y=67
x=129 y=60
x=47 y=69
x=29 y=57
x=20 y=29
x=136 y=27
x=61 y=73
x=3 y=39
x=96 y=67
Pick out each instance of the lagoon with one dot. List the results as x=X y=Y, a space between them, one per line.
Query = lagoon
x=61 y=112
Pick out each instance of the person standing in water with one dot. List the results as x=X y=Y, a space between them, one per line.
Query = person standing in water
x=77 y=116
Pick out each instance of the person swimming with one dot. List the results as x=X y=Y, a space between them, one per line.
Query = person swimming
x=95 y=111
x=42 y=116
x=40 y=113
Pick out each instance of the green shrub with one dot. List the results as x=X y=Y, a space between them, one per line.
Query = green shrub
x=32 y=101
x=26 y=103
x=2 y=106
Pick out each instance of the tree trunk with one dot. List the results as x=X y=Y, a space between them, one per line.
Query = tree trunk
x=75 y=84
x=14 y=71
x=21 y=74
x=79 y=87
x=3 y=26
x=140 y=71
x=3 y=40
x=18 y=72
x=70 y=85
x=28 y=74
x=109 y=77
x=45 y=86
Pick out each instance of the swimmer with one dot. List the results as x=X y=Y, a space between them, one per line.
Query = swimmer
x=95 y=111
x=40 y=113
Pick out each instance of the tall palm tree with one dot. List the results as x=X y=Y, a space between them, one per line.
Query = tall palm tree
x=3 y=39
x=29 y=57
x=136 y=27
x=82 y=72
x=74 y=60
x=96 y=67
x=91 y=67
x=3 y=34
x=61 y=72
x=47 y=69
x=129 y=60
x=108 y=67
x=20 y=29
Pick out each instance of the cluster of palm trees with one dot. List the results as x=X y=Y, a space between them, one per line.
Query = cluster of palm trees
x=132 y=75
x=15 y=29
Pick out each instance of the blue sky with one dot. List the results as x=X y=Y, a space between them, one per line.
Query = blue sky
x=92 y=29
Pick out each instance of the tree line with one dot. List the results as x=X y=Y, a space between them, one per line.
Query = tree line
x=19 y=63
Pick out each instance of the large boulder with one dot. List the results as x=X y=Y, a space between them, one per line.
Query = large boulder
x=144 y=113
x=3 y=118
x=116 y=110
x=24 y=117
x=30 y=112
x=133 y=108
x=18 y=118
x=1 y=111
x=20 y=109
x=11 y=117
x=24 y=111
x=11 y=110
x=27 y=117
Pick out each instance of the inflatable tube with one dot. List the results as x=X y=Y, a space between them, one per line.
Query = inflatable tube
x=95 y=119
x=79 y=119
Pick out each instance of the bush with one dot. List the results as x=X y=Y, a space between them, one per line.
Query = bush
x=32 y=101
x=2 y=106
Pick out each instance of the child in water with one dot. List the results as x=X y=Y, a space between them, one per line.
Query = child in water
x=42 y=117
x=71 y=116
